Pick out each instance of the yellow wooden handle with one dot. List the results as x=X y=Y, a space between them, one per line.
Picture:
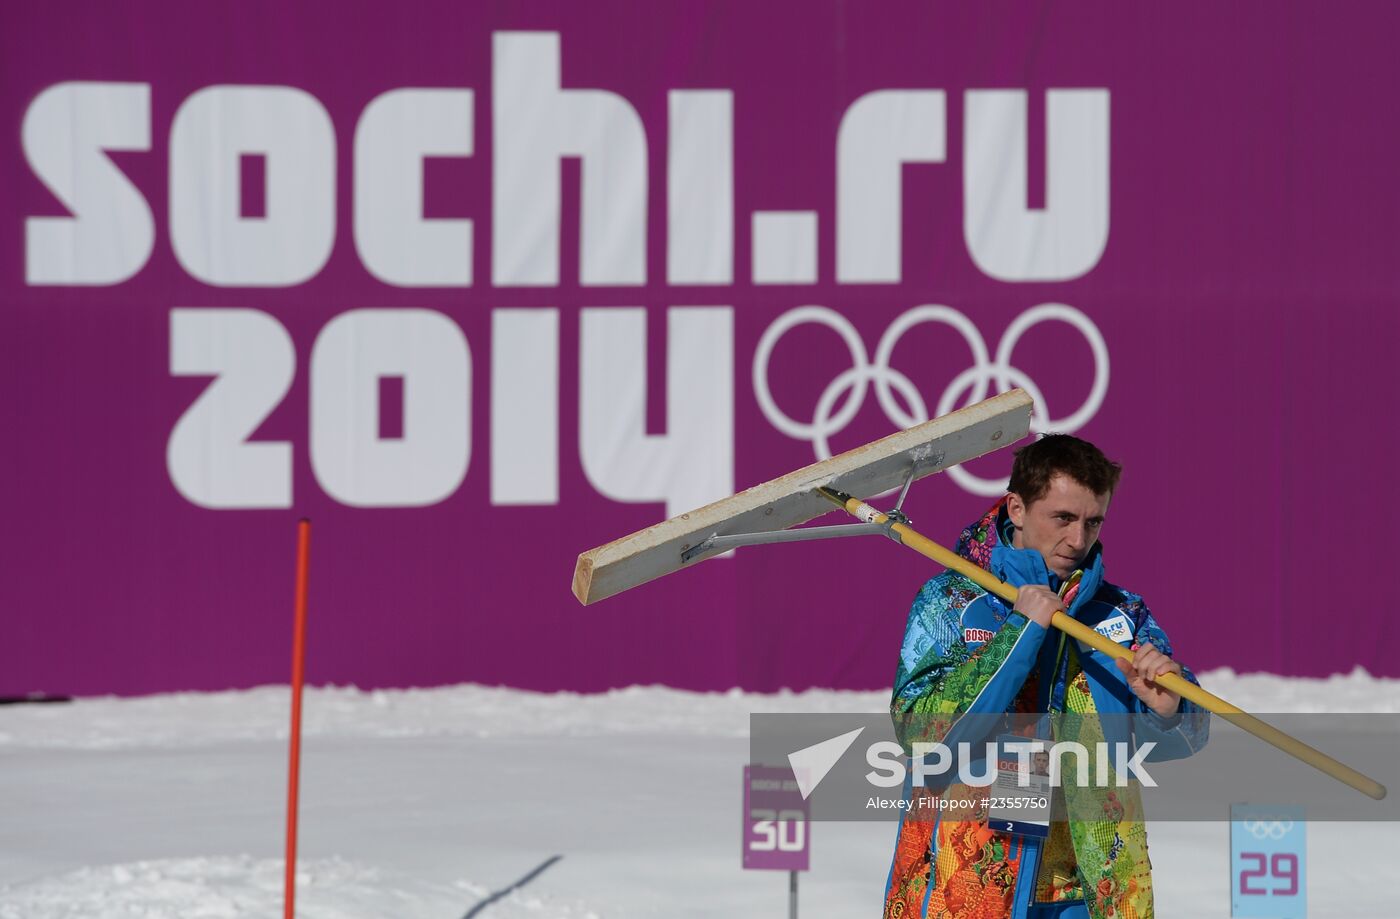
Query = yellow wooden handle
x=1075 y=629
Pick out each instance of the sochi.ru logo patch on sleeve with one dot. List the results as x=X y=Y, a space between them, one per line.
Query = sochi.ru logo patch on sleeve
x=1118 y=629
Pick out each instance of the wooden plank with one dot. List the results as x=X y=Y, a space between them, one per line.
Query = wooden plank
x=790 y=500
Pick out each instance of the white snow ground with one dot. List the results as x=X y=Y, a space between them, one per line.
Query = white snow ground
x=502 y=804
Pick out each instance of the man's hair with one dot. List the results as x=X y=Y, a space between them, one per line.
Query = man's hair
x=1038 y=462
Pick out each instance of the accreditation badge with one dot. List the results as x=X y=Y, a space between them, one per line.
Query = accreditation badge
x=1019 y=799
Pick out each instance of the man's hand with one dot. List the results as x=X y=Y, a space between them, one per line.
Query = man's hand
x=1148 y=663
x=1038 y=603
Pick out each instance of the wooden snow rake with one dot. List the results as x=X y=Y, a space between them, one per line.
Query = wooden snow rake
x=767 y=512
x=905 y=535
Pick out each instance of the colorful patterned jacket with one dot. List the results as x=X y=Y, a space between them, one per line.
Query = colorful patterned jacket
x=965 y=651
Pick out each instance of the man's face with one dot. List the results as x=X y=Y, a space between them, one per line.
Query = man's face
x=1063 y=525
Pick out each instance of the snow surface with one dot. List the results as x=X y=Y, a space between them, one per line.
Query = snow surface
x=497 y=803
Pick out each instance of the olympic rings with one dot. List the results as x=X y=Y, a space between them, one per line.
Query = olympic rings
x=828 y=419
x=1271 y=829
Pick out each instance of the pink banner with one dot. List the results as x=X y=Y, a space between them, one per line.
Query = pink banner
x=478 y=290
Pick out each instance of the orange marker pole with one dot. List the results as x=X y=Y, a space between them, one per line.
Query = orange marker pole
x=298 y=674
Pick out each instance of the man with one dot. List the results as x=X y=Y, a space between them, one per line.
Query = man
x=966 y=652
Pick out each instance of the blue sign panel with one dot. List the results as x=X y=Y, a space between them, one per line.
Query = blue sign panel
x=1268 y=866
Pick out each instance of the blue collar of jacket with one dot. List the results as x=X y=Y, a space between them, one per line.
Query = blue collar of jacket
x=1019 y=567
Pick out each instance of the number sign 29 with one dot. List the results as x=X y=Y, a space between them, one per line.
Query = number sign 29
x=1267 y=862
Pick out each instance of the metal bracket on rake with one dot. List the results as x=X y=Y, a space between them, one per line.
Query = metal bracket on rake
x=722 y=543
